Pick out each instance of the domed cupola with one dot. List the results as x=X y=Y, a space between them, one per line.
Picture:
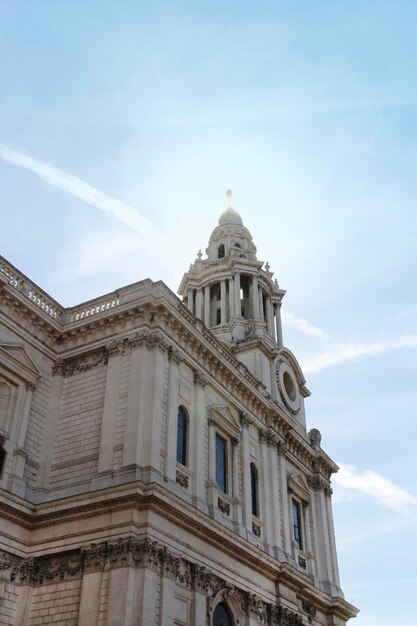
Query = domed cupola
x=231 y=291
x=230 y=237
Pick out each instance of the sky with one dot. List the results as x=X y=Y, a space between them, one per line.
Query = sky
x=122 y=124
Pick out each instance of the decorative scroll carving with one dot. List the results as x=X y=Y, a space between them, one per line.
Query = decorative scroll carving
x=245 y=419
x=309 y=610
x=181 y=479
x=317 y=483
x=256 y=529
x=174 y=355
x=271 y=439
x=114 y=348
x=250 y=330
x=223 y=506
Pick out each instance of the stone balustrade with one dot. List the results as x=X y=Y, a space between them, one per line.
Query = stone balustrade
x=88 y=309
x=25 y=286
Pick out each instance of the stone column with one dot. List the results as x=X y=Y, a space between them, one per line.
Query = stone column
x=232 y=298
x=261 y=305
x=152 y=409
x=223 y=303
x=167 y=602
x=108 y=425
x=255 y=298
x=131 y=450
x=332 y=540
x=237 y=505
x=266 y=490
x=16 y=480
x=172 y=416
x=198 y=442
x=246 y=421
x=48 y=439
x=207 y=305
x=278 y=323
x=284 y=509
x=322 y=547
x=190 y=299
x=269 y=322
x=127 y=600
x=238 y=305
x=23 y=605
x=89 y=614
x=199 y=304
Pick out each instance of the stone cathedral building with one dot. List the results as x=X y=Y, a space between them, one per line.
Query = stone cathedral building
x=155 y=464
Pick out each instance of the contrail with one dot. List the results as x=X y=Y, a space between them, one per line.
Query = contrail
x=78 y=188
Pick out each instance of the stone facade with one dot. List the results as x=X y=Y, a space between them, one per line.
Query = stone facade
x=115 y=512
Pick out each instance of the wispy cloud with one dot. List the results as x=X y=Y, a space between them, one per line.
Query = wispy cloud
x=342 y=353
x=80 y=189
x=300 y=324
x=350 y=484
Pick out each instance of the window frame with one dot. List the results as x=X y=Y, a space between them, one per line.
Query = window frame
x=182 y=444
x=297 y=535
x=254 y=490
x=226 y=454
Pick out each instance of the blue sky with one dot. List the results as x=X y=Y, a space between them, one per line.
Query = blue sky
x=122 y=125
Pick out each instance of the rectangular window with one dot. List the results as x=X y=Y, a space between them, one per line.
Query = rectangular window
x=221 y=463
x=296 y=523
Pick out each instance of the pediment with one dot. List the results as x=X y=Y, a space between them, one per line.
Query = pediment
x=15 y=358
x=226 y=417
x=298 y=485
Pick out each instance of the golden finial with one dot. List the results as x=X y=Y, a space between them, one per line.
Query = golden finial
x=229 y=194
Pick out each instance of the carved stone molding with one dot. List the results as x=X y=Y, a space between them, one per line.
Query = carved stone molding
x=223 y=506
x=181 y=479
x=115 y=348
x=302 y=562
x=174 y=355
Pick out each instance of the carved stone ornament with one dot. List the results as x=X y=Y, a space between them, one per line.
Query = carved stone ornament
x=82 y=364
x=317 y=483
x=133 y=553
x=223 y=506
x=302 y=562
x=309 y=610
x=245 y=419
x=256 y=529
x=181 y=479
x=200 y=379
x=285 y=617
x=257 y=608
x=250 y=330
x=315 y=438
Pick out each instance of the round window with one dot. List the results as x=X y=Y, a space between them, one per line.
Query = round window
x=289 y=386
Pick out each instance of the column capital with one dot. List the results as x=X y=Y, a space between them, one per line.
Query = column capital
x=245 y=419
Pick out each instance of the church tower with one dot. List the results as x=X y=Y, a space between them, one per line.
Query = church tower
x=236 y=297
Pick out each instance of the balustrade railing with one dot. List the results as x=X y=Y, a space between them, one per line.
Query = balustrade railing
x=88 y=309
x=25 y=286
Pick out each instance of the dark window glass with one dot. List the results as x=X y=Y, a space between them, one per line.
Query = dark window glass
x=254 y=489
x=222 y=616
x=221 y=251
x=296 y=523
x=218 y=316
x=2 y=458
x=221 y=463
x=182 y=436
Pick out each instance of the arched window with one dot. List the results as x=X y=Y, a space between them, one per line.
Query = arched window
x=182 y=424
x=237 y=245
x=254 y=489
x=222 y=616
x=220 y=251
